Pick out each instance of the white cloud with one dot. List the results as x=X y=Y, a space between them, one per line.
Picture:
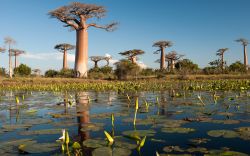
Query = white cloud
x=142 y=65
x=48 y=56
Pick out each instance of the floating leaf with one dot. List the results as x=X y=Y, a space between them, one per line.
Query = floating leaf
x=106 y=151
x=177 y=130
x=41 y=132
x=140 y=133
x=223 y=133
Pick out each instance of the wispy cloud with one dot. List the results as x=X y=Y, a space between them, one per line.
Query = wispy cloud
x=48 y=56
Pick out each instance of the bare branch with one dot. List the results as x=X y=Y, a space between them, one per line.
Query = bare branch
x=16 y=52
x=108 y=27
x=242 y=41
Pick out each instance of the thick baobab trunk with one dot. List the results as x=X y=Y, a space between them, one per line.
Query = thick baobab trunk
x=245 y=58
x=65 y=64
x=96 y=66
x=107 y=63
x=81 y=58
x=10 y=65
x=172 y=65
x=162 y=66
x=133 y=59
x=222 y=63
x=15 y=61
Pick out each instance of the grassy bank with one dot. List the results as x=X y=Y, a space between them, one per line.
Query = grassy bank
x=147 y=84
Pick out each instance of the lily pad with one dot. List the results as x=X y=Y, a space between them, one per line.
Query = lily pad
x=140 y=133
x=244 y=133
x=12 y=127
x=92 y=127
x=223 y=133
x=37 y=121
x=38 y=147
x=198 y=141
x=224 y=153
x=173 y=149
x=41 y=132
x=94 y=143
x=177 y=130
x=197 y=149
x=107 y=151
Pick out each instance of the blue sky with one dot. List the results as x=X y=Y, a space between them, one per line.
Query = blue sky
x=198 y=28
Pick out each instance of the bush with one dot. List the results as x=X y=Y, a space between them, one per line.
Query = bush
x=106 y=70
x=22 y=70
x=186 y=66
x=68 y=73
x=125 y=68
x=2 y=72
x=237 y=67
x=51 y=73
x=147 y=72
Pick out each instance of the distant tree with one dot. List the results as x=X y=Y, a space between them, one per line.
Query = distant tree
x=16 y=53
x=2 y=72
x=237 y=67
x=173 y=57
x=2 y=50
x=132 y=54
x=51 y=73
x=244 y=42
x=107 y=58
x=162 y=45
x=215 y=63
x=96 y=59
x=9 y=41
x=63 y=48
x=125 y=68
x=36 y=72
x=220 y=53
x=69 y=73
x=76 y=15
x=186 y=65
x=22 y=70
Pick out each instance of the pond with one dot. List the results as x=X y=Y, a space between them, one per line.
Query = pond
x=171 y=122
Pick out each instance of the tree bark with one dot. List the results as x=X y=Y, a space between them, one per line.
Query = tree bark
x=222 y=62
x=65 y=63
x=133 y=59
x=15 y=61
x=81 y=59
x=10 y=64
x=162 y=66
x=96 y=66
x=245 y=58
x=172 y=65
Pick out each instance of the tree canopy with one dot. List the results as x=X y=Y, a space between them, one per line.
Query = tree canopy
x=64 y=47
x=243 y=41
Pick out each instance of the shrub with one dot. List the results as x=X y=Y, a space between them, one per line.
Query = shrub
x=51 y=73
x=125 y=68
x=147 y=72
x=68 y=73
x=22 y=70
x=106 y=70
x=2 y=72
x=237 y=67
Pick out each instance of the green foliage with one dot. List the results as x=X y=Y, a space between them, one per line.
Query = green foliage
x=186 y=66
x=22 y=70
x=51 y=73
x=211 y=70
x=69 y=73
x=147 y=72
x=2 y=71
x=106 y=70
x=237 y=67
x=125 y=68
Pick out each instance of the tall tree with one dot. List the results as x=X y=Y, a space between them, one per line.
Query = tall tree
x=220 y=53
x=9 y=41
x=96 y=59
x=173 y=57
x=76 y=15
x=107 y=59
x=162 y=45
x=16 y=53
x=132 y=54
x=64 y=47
x=244 y=42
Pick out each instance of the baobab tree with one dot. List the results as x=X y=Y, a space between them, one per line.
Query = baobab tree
x=96 y=59
x=132 y=54
x=9 y=41
x=107 y=59
x=75 y=15
x=173 y=57
x=244 y=42
x=16 y=53
x=64 y=47
x=220 y=53
x=162 y=45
